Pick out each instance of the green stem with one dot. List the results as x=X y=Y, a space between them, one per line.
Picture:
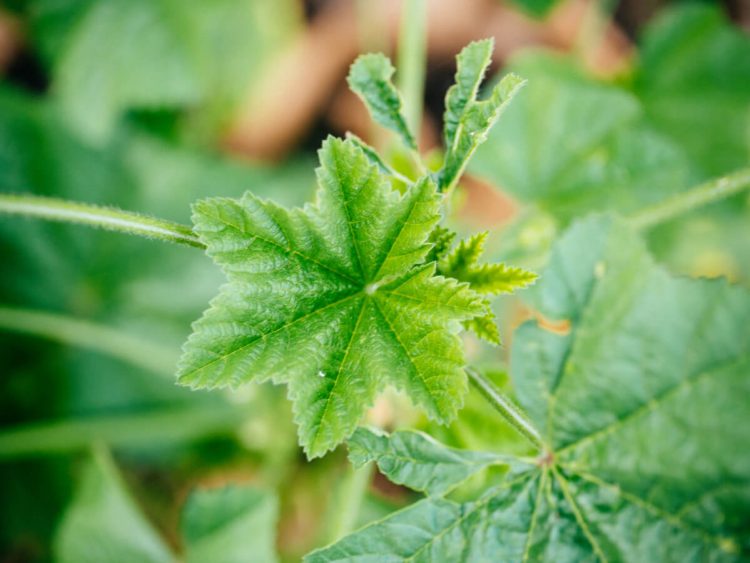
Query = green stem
x=411 y=60
x=505 y=407
x=111 y=342
x=172 y=425
x=351 y=495
x=704 y=194
x=96 y=216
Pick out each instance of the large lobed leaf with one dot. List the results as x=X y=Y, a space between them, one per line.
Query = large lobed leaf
x=332 y=299
x=643 y=408
x=103 y=525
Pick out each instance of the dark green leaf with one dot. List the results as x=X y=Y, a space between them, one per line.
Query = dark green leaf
x=571 y=144
x=694 y=80
x=643 y=406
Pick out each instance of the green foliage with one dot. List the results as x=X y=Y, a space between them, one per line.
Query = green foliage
x=416 y=460
x=468 y=120
x=572 y=144
x=694 y=79
x=188 y=54
x=103 y=524
x=332 y=300
x=370 y=78
x=645 y=460
x=230 y=525
x=462 y=264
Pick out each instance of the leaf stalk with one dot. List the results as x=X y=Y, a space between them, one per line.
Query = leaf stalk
x=505 y=407
x=108 y=218
x=694 y=198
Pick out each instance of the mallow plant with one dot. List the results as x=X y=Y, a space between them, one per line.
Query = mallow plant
x=631 y=385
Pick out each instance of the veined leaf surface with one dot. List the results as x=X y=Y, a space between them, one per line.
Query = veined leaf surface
x=332 y=299
x=643 y=408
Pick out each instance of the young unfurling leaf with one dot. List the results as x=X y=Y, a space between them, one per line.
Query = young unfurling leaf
x=462 y=264
x=468 y=120
x=333 y=299
x=416 y=460
x=643 y=411
x=370 y=78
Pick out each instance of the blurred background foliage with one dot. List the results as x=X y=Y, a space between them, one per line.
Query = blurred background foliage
x=152 y=104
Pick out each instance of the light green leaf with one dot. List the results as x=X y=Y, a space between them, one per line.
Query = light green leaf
x=461 y=264
x=643 y=407
x=416 y=460
x=370 y=78
x=103 y=525
x=326 y=298
x=136 y=54
x=485 y=326
x=134 y=73
x=441 y=239
x=468 y=120
x=230 y=525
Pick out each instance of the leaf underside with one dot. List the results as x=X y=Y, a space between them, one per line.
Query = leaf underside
x=643 y=406
x=333 y=299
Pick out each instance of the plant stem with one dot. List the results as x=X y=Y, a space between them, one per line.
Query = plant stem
x=111 y=342
x=704 y=194
x=505 y=407
x=171 y=425
x=96 y=216
x=412 y=47
x=351 y=494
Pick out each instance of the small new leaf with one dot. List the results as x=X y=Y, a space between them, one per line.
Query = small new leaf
x=468 y=120
x=417 y=461
x=370 y=78
x=333 y=299
x=462 y=264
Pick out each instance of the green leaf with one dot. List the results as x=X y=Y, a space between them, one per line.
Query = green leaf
x=461 y=264
x=416 y=460
x=327 y=299
x=468 y=120
x=441 y=239
x=189 y=54
x=370 y=78
x=230 y=525
x=103 y=524
x=643 y=407
x=694 y=80
x=571 y=144
x=485 y=326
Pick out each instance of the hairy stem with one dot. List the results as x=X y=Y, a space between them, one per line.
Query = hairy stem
x=411 y=60
x=96 y=216
x=111 y=342
x=505 y=407
x=694 y=198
